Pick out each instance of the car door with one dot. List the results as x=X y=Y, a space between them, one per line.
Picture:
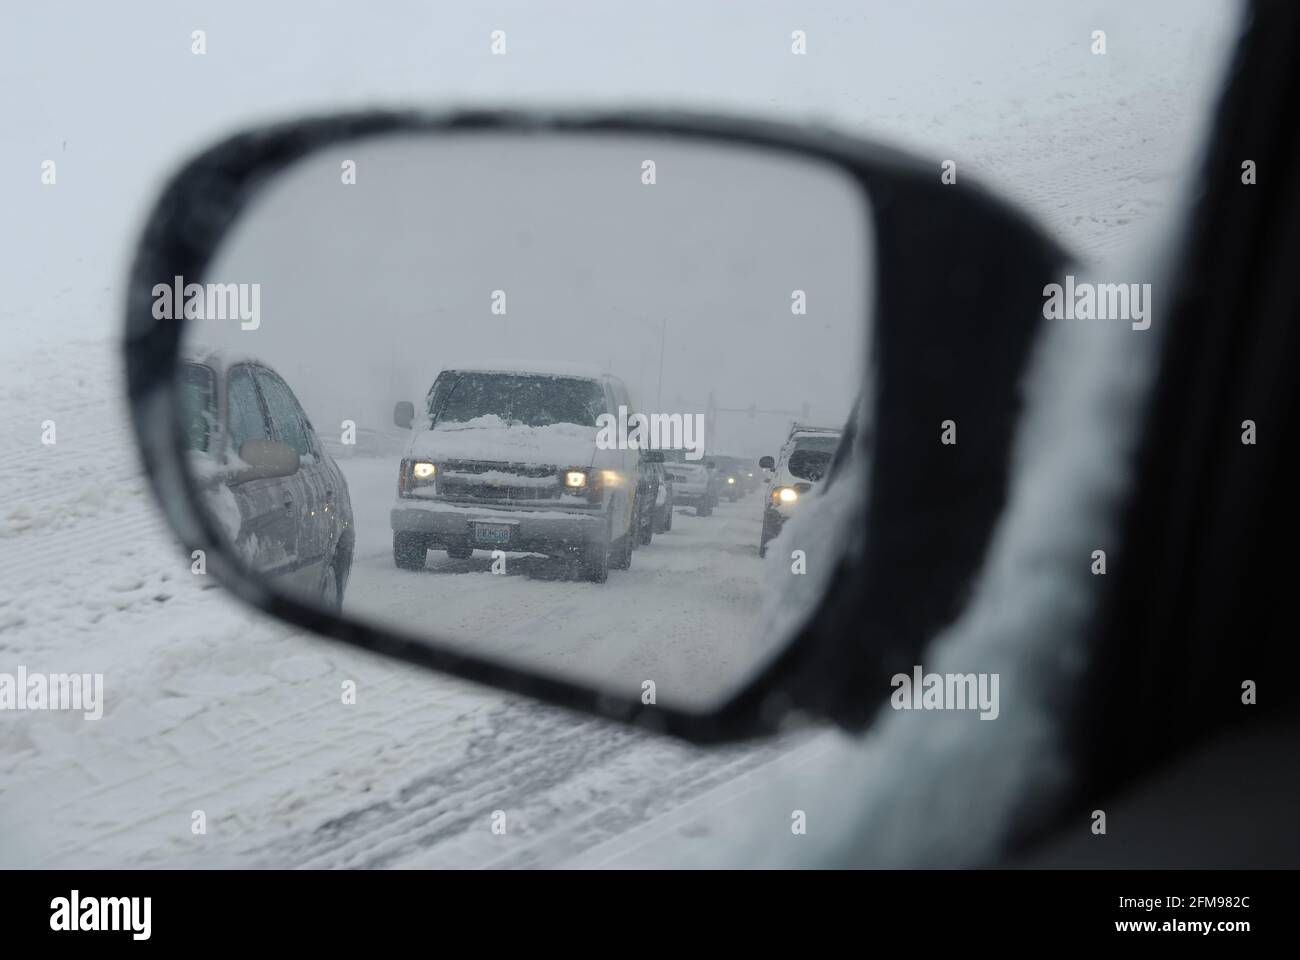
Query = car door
x=311 y=485
x=268 y=527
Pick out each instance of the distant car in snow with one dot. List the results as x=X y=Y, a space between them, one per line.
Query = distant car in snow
x=800 y=466
x=270 y=484
x=505 y=457
x=692 y=484
x=733 y=477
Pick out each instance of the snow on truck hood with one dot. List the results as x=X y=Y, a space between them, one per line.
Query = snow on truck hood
x=491 y=438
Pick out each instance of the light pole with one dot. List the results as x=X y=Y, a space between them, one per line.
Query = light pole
x=663 y=340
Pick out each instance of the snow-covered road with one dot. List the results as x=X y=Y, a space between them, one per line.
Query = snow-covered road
x=683 y=616
x=211 y=708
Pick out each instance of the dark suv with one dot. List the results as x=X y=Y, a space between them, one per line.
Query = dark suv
x=733 y=477
x=279 y=497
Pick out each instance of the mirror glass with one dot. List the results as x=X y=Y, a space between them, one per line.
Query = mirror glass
x=422 y=377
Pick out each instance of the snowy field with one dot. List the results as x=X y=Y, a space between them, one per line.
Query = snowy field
x=213 y=707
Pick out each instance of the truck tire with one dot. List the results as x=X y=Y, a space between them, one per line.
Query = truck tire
x=595 y=560
x=620 y=555
x=409 y=550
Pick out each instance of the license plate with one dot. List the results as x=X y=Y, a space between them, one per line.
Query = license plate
x=495 y=533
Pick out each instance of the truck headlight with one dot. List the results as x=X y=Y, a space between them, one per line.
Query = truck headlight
x=785 y=494
x=575 y=479
x=415 y=475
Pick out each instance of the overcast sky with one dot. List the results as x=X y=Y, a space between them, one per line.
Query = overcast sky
x=113 y=94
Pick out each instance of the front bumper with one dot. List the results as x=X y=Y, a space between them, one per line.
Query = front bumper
x=548 y=531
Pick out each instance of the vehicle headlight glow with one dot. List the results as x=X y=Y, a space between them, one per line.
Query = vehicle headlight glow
x=611 y=478
x=731 y=479
x=574 y=479
x=423 y=469
x=787 y=495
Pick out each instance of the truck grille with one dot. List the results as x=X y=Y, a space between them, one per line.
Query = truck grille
x=498 y=480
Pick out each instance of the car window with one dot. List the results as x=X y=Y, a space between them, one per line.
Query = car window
x=198 y=404
x=809 y=464
x=286 y=415
x=245 y=417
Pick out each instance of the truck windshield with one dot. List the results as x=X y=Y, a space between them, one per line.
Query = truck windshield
x=530 y=399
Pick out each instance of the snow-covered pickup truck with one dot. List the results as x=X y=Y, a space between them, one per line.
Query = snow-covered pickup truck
x=505 y=458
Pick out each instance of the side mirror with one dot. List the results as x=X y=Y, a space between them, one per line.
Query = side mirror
x=709 y=464
x=766 y=463
x=404 y=414
x=653 y=456
x=869 y=216
x=266 y=459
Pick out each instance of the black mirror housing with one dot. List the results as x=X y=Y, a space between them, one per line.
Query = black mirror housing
x=927 y=507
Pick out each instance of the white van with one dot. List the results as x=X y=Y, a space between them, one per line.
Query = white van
x=505 y=458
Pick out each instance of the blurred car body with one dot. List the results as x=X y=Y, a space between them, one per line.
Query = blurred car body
x=276 y=492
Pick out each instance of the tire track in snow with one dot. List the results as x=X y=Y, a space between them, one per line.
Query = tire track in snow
x=564 y=783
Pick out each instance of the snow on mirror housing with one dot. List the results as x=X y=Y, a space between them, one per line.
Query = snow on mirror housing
x=583 y=407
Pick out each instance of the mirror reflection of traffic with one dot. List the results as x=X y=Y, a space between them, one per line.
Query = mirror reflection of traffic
x=505 y=458
x=497 y=460
x=593 y=506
